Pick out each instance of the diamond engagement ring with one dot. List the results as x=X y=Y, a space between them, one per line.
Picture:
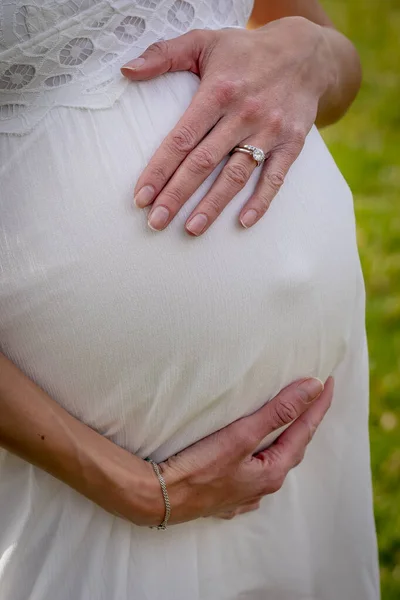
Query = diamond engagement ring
x=256 y=153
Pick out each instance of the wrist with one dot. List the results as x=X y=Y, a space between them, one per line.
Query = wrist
x=327 y=61
x=147 y=500
x=142 y=500
x=123 y=484
x=180 y=493
x=318 y=48
x=306 y=47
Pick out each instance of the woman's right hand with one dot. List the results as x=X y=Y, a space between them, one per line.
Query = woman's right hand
x=221 y=476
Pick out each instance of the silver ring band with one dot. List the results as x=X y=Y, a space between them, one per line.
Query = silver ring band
x=256 y=153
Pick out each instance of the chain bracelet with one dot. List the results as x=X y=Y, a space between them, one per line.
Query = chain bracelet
x=163 y=485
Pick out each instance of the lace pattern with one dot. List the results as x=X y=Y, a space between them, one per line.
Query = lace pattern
x=68 y=52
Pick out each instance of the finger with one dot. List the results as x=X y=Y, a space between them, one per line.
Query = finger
x=197 y=166
x=228 y=515
x=286 y=407
x=289 y=449
x=179 y=54
x=233 y=177
x=230 y=181
x=196 y=122
x=271 y=180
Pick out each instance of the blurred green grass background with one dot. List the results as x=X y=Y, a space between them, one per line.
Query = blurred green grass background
x=366 y=146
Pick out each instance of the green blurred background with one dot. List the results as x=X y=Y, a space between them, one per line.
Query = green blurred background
x=366 y=146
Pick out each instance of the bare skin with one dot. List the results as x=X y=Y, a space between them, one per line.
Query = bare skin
x=218 y=476
x=264 y=86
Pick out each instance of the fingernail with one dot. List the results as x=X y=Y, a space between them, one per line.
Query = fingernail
x=310 y=389
x=144 y=196
x=134 y=64
x=249 y=218
x=197 y=224
x=158 y=218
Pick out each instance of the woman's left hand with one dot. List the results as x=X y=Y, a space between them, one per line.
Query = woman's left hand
x=259 y=87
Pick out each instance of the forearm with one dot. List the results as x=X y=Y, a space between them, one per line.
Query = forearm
x=36 y=428
x=342 y=63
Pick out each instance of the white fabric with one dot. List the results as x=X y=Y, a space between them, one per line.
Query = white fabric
x=158 y=339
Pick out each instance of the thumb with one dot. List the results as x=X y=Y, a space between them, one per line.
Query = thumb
x=286 y=407
x=179 y=54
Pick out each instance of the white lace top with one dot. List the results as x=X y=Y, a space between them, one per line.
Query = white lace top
x=68 y=52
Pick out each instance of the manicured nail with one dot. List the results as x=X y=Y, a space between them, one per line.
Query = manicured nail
x=249 y=218
x=310 y=389
x=158 y=218
x=144 y=196
x=134 y=64
x=197 y=224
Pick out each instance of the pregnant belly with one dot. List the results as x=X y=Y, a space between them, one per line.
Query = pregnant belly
x=158 y=339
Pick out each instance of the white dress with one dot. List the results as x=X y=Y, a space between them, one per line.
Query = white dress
x=158 y=339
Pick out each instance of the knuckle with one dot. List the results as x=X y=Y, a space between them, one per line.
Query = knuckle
x=263 y=202
x=251 y=108
x=276 y=119
x=160 y=47
x=201 y=162
x=275 y=179
x=242 y=433
x=213 y=205
x=227 y=515
x=197 y=37
x=230 y=516
x=297 y=134
x=285 y=412
x=159 y=173
x=298 y=458
x=226 y=91
x=310 y=427
x=173 y=198
x=273 y=482
x=277 y=483
x=183 y=140
x=246 y=440
x=277 y=477
x=237 y=174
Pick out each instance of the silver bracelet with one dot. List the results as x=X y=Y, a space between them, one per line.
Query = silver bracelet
x=161 y=479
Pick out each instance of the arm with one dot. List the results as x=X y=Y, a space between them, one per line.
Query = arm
x=37 y=429
x=344 y=60
x=213 y=476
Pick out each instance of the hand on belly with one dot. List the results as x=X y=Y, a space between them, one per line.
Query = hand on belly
x=223 y=475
